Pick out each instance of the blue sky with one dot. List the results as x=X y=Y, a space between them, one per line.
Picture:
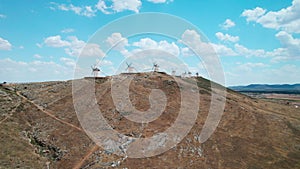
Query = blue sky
x=256 y=41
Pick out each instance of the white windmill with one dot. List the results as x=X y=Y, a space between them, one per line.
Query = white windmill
x=183 y=75
x=155 y=67
x=173 y=72
x=189 y=74
x=129 y=68
x=95 y=70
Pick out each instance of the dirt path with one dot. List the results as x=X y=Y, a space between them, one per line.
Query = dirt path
x=47 y=112
x=87 y=155
x=4 y=119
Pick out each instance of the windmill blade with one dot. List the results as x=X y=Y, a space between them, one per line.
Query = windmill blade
x=128 y=64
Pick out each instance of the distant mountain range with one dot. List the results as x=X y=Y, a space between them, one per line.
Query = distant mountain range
x=266 y=88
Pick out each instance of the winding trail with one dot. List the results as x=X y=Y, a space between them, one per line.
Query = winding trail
x=85 y=157
x=4 y=119
x=48 y=113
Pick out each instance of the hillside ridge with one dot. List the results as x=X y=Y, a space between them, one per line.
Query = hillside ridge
x=39 y=128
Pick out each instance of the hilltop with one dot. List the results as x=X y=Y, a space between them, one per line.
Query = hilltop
x=39 y=128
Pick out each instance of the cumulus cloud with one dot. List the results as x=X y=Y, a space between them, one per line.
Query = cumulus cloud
x=56 y=41
x=80 y=48
x=148 y=44
x=131 y=5
x=227 y=37
x=87 y=11
x=249 y=66
x=117 y=41
x=120 y=43
x=276 y=55
x=68 y=62
x=227 y=24
x=262 y=73
x=290 y=49
x=101 y=5
x=244 y=51
x=119 y=6
x=33 y=71
x=286 y=19
x=253 y=14
x=223 y=50
x=4 y=44
x=185 y=51
x=290 y=43
x=74 y=46
x=206 y=49
x=105 y=6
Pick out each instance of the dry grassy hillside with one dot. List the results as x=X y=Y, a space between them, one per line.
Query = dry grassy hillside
x=39 y=129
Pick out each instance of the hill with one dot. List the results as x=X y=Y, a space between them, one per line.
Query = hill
x=39 y=128
x=265 y=88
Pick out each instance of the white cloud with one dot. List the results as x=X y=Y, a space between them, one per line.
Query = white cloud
x=243 y=51
x=148 y=44
x=2 y=16
x=290 y=43
x=117 y=41
x=37 y=56
x=105 y=6
x=68 y=30
x=253 y=14
x=56 y=41
x=101 y=5
x=276 y=55
x=68 y=62
x=17 y=71
x=4 y=44
x=87 y=11
x=159 y=1
x=227 y=24
x=74 y=46
x=205 y=49
x=286 y=19
x=262 y=73
x=80 y=48
x=290 y=49
x=250 y=66
x=122 y=5
x=223 y=50
x=227 y=37
x=104 y=62
x=119 y=6
x=185 y=51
